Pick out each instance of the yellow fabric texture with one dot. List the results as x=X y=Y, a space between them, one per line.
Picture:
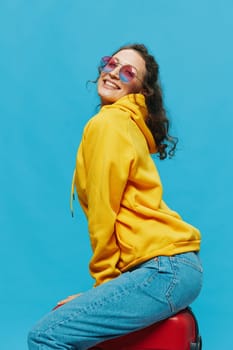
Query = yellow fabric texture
x=120 y=191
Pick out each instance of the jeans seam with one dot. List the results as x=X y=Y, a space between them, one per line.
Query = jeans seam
x=171 y=285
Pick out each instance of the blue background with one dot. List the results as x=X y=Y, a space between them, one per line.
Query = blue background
x=48 y=51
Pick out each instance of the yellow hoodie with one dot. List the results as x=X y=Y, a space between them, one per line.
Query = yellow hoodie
x=120 y=191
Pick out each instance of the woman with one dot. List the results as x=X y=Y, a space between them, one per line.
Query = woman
x=145 y=257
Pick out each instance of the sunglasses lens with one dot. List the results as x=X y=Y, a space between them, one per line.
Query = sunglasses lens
x=107 y=64
x=104 y=60
x=127 y=73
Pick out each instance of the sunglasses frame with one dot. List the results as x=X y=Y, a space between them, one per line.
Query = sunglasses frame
x=105 y=61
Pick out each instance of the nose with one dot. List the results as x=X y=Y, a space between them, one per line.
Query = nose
x=115 y=73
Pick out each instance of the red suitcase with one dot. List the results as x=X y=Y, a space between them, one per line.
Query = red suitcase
x=179 y=332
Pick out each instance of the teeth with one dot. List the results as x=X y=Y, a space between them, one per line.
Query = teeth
x=109 y=83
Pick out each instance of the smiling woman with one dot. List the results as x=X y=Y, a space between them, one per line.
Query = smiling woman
x=120 y=75
x=145 y=260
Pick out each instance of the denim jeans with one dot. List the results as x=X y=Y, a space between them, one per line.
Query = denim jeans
x=148 y=293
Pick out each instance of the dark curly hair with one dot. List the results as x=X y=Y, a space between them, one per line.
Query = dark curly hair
x=157 y=120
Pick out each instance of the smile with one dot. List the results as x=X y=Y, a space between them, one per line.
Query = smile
x=110 y=84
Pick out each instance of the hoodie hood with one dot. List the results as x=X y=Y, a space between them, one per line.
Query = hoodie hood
x=136 y=105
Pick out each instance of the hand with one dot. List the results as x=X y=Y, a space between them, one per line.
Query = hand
x=64 y=301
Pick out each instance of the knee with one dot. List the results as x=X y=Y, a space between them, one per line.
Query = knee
x=39 y=336
x=33 y=339
x=36 y=338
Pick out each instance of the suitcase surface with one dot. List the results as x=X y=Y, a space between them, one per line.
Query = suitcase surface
x=179 y=332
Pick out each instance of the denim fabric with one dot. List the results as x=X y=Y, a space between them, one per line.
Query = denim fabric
x=149 y=292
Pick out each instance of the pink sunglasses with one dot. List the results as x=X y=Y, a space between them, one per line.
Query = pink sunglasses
x=126 y=73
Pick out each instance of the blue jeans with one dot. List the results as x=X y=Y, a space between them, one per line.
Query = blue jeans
x=148 y=293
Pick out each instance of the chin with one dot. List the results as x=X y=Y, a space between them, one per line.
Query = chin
x=107 y=100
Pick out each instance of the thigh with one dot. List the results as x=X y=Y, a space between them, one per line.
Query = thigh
x=115 y=308
x=135 y=299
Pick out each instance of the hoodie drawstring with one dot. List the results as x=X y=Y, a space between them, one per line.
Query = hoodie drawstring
x=72 y=196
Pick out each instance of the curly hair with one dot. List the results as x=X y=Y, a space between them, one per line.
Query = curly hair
x=157 y=121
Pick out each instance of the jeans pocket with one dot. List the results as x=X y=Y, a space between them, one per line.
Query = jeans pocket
x=191 y=258
x=187 y=283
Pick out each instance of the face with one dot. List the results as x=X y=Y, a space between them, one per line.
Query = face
x=111 y=87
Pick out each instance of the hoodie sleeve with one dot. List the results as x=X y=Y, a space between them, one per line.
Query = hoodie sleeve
x=107 y=155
